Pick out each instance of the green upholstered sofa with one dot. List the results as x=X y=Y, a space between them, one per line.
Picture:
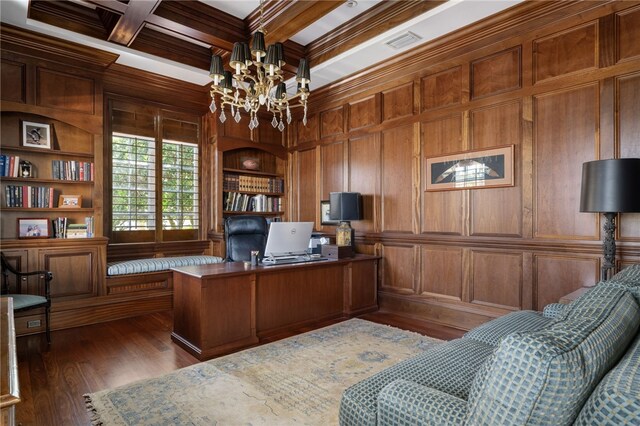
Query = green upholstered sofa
x=571 y=364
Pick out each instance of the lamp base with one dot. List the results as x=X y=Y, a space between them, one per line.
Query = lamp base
x=608 y=268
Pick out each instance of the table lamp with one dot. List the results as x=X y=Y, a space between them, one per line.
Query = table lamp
x=345 y=207
x=610 y=187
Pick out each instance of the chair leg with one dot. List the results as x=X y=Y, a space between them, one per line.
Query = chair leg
x=46 y=321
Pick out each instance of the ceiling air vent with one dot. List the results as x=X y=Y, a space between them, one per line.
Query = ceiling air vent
x=403 y=40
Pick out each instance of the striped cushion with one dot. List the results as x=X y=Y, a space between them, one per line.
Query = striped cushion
x=142 y=266
x=492 y=331
x=630 y=275
x=449 y=367
x=544 y=377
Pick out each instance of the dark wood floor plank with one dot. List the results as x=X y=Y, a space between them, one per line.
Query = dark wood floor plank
x=103 y=356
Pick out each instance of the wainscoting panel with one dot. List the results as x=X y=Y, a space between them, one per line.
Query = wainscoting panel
x=65 y=91
x=364 y=113
x=628 y=33
x=566 y=133
x=332 y=122
x=399 y=266
x=442 y=272
x=558 y=275
x=332 y=168
x=497 y=279
x=308 y=133
x=364 y=177
x=442 y=89
x=306 y=176
x=397 y=102
x=13 y=77
x=497 y=73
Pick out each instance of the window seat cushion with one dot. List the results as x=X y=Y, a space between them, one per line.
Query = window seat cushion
x=141 y=266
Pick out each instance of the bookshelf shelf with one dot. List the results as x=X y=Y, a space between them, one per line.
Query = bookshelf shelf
x=48 y=210
x=53 y=152
x=51 y=181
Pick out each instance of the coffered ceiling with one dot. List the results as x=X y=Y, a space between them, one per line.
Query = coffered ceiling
x=177 y=38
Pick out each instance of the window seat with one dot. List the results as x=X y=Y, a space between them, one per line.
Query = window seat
x=143 y=266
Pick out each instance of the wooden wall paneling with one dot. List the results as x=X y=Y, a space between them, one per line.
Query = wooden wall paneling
x=568 y=51
x=497 y=73
x=332 y=122
x=442 y=89
x=607 y=128
x=628 y=143
x=606 y=41
x=398 y=102
x=364 y=113
x=332 y=168
x=566 y=135
x=65 y=91
x=628 y=33
x=308 y=133
x=559 y=275
x=267 y=134
x=13 y=81
x=441 y=273
x=526 y=163
x=497 y=279
x=498 y=211
x=364 y=177
x=443 y=212
x=241 y=130
x=307 y=201
x=400 y=268
x=398 y=179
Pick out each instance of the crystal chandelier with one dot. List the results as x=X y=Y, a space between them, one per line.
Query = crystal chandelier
x=263 y=86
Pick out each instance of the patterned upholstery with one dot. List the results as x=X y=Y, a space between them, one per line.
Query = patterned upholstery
x=544 y=377
x=406 y=403
x=616 y=400
x=449 y=368
x=630 y=274
x=492 y=331
x=553 y=310
x=142 y=266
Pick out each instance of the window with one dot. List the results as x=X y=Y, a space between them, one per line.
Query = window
x=155 y=185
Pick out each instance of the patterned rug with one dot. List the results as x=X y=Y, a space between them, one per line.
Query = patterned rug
x=298 y=381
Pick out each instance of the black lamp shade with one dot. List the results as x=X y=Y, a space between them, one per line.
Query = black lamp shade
x=272 y=56
x=227 y=83
x=216 y=67
x=258 y=44
x=247 y=54
x=280 y=54
x=281 y=91
x=345 y=206
x=237 y=56
x=611 y=186
x=303 y=72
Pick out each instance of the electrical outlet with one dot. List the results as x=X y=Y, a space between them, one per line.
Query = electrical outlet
x=33 y=324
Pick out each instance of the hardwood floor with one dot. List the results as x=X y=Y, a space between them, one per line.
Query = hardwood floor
x=88 y=359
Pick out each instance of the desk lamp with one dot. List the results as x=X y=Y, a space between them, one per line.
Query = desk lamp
x=610 y=187
x=345 y=207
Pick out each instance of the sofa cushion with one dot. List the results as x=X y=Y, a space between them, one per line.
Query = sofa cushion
x=616 y=399
x=449 y=367
x=141 y=266
x=594 y=303
x=544 y=377
x=492 y=331
x=630 y=275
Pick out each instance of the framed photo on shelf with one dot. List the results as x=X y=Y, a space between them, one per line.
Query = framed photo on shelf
x=250 y=163
x=70 y=201
x=34 y=228
x=486 y=168
x=325 y=217
x=36 y=135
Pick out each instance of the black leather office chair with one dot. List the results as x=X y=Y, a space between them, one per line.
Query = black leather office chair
x=245 y=233
x=23 y=301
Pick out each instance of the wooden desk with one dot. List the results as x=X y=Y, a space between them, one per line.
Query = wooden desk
x=226 y=306
x=9 y=389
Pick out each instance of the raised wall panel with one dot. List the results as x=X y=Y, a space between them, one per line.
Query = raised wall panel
x=308 y=133
x=498 y=211
x=557 y=276
x=566 y=126
x=269 y=134
x=240 y=130
x=441 y=272
x=398 y=179
x=364 y=113
x=498 y=73
x=307 y=200
x=399 y=268
x=65 y=91
x=628 y=33
x=364 y=177
x=397 y=102
x=497 y=279
x=13 y=81
x=444 y=210
x=332 y=163
x=73 y=272
x=569 y=51
x=332 y=122
x=628 y=95
x=441 y=89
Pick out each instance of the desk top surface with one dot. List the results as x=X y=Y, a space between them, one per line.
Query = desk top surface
x=9 y=389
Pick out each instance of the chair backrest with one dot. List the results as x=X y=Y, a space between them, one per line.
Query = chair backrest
x=5 y=269
x=244 y=234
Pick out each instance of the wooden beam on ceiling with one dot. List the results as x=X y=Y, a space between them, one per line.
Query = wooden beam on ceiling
x=132 y=21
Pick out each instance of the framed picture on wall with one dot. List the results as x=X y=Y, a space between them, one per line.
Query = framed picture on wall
x=325 y=218
x=34 y=228
x=36 y=135
x=486 y=168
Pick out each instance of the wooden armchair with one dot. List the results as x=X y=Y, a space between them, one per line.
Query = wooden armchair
x=25 y=301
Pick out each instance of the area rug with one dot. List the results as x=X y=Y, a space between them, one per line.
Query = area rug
x=298 y=381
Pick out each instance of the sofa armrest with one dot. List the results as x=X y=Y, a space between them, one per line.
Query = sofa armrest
x=553 y=310
x=402 y=402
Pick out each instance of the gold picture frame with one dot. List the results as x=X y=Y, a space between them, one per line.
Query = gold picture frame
x=70 y=201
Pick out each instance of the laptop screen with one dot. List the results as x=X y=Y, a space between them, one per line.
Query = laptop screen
x=288 y=238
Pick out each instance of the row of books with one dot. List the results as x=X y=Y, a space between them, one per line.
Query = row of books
x=237 y=202
x=63 y=229
x=9 y=165
x=72 y=170
x=235 y=182
x=29 y=196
